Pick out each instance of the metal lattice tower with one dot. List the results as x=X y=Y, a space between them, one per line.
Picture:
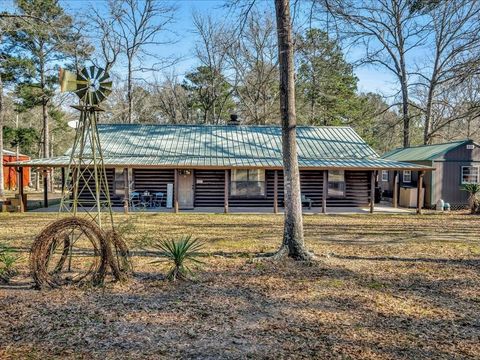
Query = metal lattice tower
x=86 y=177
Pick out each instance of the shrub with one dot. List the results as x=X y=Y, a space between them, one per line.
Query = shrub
x=181 y=253
x=7 y=263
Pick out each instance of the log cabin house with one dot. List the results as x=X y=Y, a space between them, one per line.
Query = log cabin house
x=236 y=165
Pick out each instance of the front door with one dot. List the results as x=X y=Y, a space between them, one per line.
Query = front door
x=185 y=189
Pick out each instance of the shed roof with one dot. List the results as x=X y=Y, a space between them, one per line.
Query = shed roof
x=230 y=146
x=423 y=152
x=11 y=153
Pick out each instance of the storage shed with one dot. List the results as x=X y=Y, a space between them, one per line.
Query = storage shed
x=455 y=163
x=10 y=173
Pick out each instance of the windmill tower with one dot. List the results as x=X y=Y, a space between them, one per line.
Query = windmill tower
x=77 y=249
x=86 y=174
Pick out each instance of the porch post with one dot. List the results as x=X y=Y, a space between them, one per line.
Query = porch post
x=225 y=201
x=23 y=206
x=175 y=192
x=324 y=191
x=419 y=191
x=275 y=192
x=372 y=191
x=126 y=190
x=45 y=188
x=63 y=179
x=395 y=189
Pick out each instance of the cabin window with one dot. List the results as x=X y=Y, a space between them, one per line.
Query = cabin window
x=248 y=183
x=407 y=176
x=384 y=175
x=469 y=174
x=336 y=183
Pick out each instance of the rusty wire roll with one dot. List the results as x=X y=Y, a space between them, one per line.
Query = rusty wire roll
x=53 y=250
x=120 y=256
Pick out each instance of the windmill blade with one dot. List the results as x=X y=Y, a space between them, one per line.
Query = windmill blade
x=94 y=98
x=107 y=84
x=85 y=73
x=105 y=77
x=81 y=76
x=81 y=92
x=106 y=90
x=92 y=72
x=99 y=73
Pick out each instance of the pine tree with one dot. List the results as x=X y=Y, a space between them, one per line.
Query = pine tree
x=326 y=83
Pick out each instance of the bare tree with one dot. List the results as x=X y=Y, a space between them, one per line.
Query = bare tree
x=139 y=25
x=455 y=47
x=210 y=77
x=253 y=61
x=107 y=40
x=387 y=31
x=455 y=110
x=172 y=100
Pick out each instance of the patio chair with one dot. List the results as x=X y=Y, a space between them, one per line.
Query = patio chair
x=307 y=201
x=134 y=200
x=157 y=199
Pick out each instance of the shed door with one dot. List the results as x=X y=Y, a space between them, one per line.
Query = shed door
x=185 y=189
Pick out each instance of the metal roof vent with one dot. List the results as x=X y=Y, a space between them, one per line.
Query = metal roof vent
x=234 y=120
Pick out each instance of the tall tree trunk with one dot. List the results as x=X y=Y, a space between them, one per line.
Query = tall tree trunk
x=428 y=117
x=46 y=129
x=431 y=92
x=129 y=90
x=293 y=239
x=403 y=75
x=405 y=115
x=2 y=186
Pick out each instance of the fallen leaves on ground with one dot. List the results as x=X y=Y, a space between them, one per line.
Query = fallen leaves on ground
x=385 y=287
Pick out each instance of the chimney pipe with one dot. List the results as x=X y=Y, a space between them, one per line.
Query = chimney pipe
x=234 y=120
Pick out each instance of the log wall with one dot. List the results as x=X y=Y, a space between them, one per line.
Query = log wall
x=152 y=180
x=209 y=187
x=84 y=194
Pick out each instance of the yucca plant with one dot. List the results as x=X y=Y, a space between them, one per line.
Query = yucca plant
x=473 y=190
x=7 y=263
x=182 y=253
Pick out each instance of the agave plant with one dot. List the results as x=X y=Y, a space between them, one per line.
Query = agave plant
x=473 y=190
x=181 y=253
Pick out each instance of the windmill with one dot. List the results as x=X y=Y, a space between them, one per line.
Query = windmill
x=86 y=173
x=79 y=248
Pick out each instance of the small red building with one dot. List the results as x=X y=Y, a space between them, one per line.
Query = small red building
x=10 y=172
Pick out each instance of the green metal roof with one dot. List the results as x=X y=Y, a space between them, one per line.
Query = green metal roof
x=230 y=146
x=423 y=152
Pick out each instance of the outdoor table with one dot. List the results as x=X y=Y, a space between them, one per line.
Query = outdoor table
x=146 y=199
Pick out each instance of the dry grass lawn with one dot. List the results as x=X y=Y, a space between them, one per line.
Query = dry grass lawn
x=385 y=287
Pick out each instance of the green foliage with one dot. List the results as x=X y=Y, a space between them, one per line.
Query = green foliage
x=211 y=94
x=7 y=263
x=25 y=138
x=180 y=252
x=473 y=191
x=326 y=85
x=14 y=68
x=42 y=43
